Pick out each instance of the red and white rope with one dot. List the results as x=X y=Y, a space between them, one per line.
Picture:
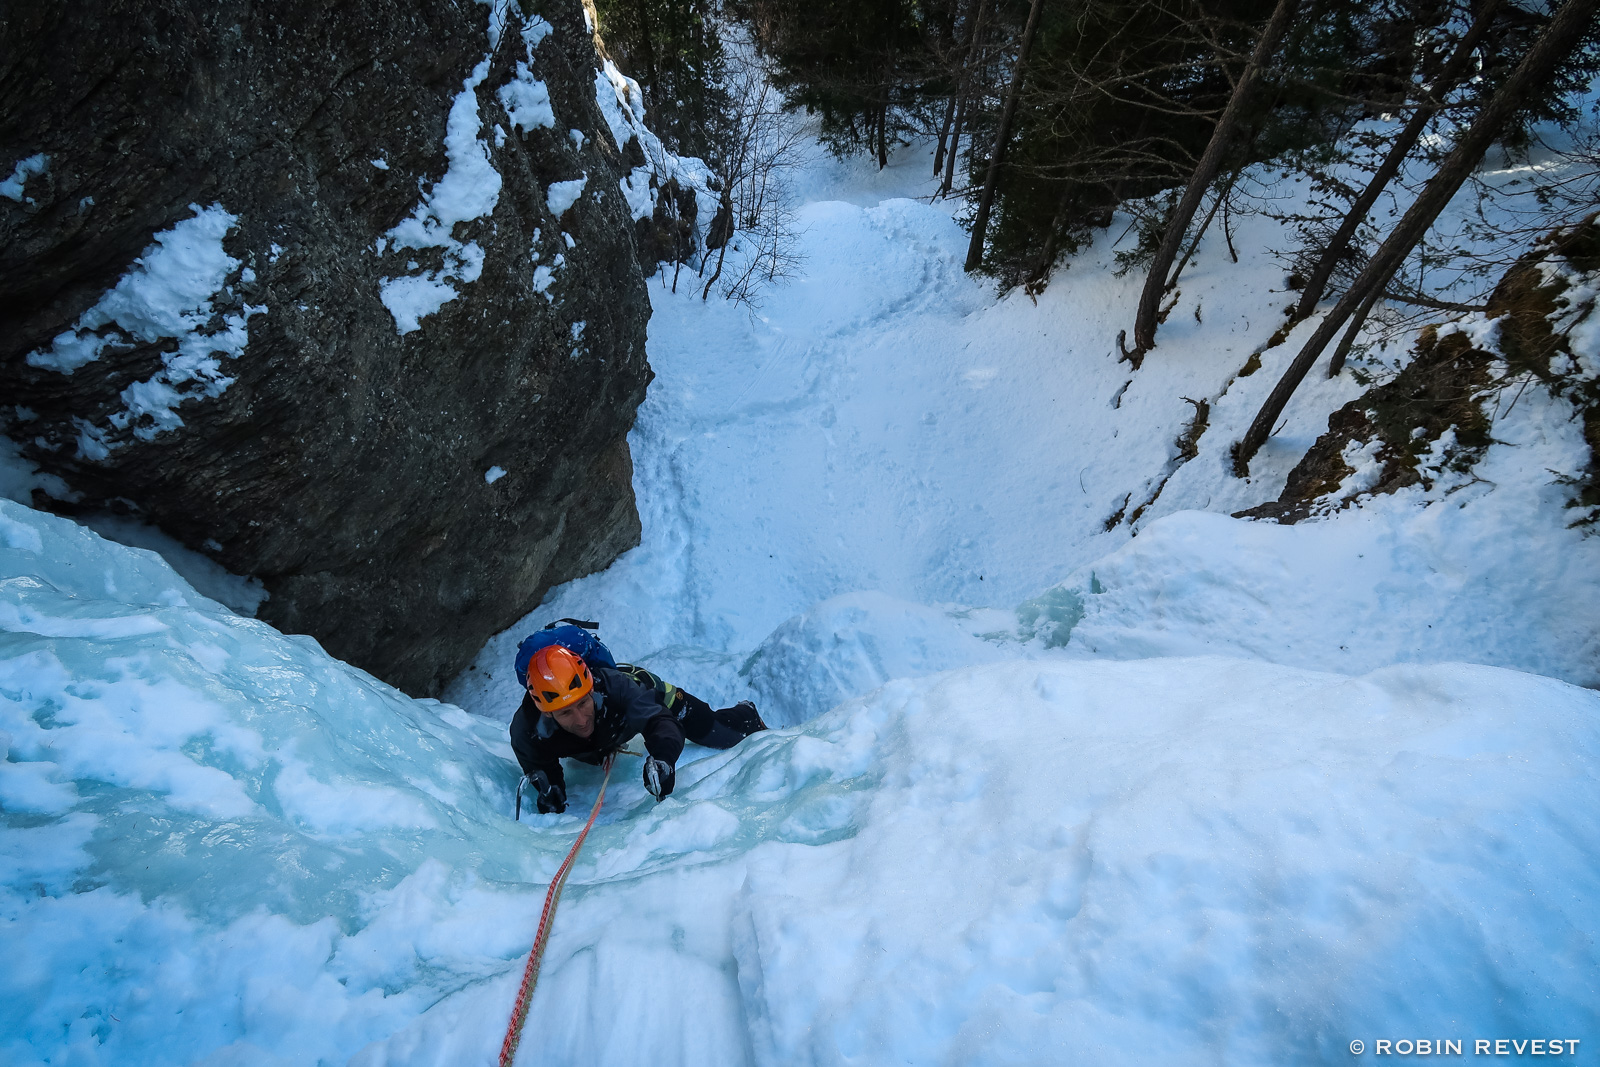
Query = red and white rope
x=530 y=974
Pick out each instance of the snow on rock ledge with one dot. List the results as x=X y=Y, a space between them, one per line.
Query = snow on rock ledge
x=668 y=195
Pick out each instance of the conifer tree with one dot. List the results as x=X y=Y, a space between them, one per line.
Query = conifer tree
x=1399 y=149
x=1118 y=102
x=1124 y=97
x=849 y=61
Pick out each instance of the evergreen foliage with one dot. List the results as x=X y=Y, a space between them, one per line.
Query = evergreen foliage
x=867 y=67
x=1117 y=104
x=1120 y=97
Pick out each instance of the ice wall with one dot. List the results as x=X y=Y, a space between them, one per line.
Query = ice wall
x=223 y=847
x=198 y=809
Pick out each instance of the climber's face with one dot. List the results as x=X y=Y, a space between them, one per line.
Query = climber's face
x=577 y=718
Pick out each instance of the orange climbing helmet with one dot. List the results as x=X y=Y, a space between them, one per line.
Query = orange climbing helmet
x=558 y=678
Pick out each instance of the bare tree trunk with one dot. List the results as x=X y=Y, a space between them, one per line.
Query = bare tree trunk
x=1560 y=37
x=1317 y=280
x=1227 y=233
x=1358 y=320
x=727 y=239
x=980 y=222
x=961 y=57
x=972 y=61
x=1205 y=172
x=948 y=49
x=722 y=253
x=955 y=144
x=883 y=136
x=1223 y=192
x=944 y=133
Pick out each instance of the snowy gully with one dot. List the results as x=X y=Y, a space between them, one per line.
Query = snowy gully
x=1499 y=1046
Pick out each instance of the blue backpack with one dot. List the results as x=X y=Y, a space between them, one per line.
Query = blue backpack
x=573 y=636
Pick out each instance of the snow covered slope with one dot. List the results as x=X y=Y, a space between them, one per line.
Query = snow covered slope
x=885 y=425
x=223 y=847
x=1001 y=820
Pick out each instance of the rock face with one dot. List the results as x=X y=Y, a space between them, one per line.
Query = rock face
x=345 y=296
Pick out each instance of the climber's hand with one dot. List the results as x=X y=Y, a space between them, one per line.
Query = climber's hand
x=659 y=777
x=552 y=797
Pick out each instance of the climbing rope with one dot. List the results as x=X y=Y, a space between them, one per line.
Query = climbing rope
x=530 y=974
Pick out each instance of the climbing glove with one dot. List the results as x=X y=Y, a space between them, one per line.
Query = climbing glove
x=552 y=797
x=659 y=778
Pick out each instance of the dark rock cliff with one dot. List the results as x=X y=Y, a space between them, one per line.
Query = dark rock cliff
x=340 y=294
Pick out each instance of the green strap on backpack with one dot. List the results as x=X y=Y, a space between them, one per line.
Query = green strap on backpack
x=665 y=691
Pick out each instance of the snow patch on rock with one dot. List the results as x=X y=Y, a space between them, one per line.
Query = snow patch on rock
x=562 y=195
x=167 y=296
x=525 y=98
x=621 y=101
x=469 y=190
x=36 y=165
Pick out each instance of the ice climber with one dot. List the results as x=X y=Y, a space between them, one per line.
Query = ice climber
x=572 y=711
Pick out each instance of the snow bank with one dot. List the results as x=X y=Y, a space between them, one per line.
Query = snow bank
x=1174 y=861
x=223 y=847
x=855 y=643
x=1480 y=568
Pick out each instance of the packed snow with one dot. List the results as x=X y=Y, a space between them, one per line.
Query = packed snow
x=1042 y=787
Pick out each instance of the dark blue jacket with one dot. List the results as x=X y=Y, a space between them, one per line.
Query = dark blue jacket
x=622 y=709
